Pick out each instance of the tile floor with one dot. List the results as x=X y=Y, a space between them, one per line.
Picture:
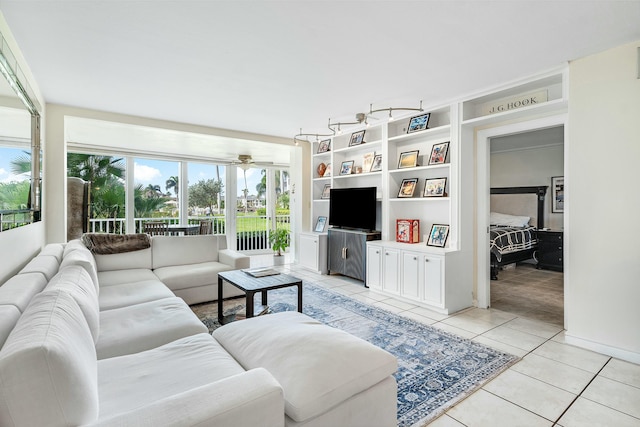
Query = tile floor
x=554 y=384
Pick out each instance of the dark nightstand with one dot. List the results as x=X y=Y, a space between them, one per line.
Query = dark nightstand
x=550 y=250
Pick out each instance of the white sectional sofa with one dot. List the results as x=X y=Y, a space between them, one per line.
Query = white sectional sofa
x=85 y=343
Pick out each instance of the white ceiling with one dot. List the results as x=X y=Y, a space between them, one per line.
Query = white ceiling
x=273 y=67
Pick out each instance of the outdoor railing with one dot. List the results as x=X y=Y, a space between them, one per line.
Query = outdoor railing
x=251 y=231
x=15 y=218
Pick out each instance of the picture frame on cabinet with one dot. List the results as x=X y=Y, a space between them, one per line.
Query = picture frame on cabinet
x=408 y=159
x=557 y=194
x=346 y=168
x=439 y=153
x=367 y=161
x=418 y=123
x=320 y=224
x=357 y=138
x=435 y=187
x=326 y=191
x=327 y=171
x=438 y=235
x=408 y=187
x=376 y=166
x=324 y=146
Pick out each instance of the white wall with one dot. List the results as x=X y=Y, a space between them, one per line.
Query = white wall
x=530 y=167
x=17 y=246
x=602 y=205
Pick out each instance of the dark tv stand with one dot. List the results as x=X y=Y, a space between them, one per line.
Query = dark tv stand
x=347 y=252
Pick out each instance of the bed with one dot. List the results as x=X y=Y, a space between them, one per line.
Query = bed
x=516 y=215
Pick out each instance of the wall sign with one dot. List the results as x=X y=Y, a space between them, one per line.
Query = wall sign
x=513 y=102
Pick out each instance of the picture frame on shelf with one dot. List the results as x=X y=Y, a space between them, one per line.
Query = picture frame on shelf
x=418 y=123
x=320 y=224
x=557 y=194
x=435 y=187
x=376 y=166
x=357 y=138
x=324 y=146
x=408 y=187
x=327 y=171
x=326 y=191
x=408 y=159
x=346 y=168
x=367 y=161
x=438 y=235
x=439 y=153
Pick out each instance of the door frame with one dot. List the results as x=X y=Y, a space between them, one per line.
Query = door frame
x=483 y=185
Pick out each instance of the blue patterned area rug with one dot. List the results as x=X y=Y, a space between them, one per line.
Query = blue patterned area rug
x=436 y=369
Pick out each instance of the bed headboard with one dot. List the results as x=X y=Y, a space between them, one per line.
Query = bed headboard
x=523 y=201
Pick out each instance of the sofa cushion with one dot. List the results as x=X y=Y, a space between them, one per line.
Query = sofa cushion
x=125 y=294
x=125 y=261
x=190 y=275
x=20 y=289
x=47 y=265
x=118 y=277
x=48 y=367
x=9 y=315
x=75 y=280
x=181 y=250
x=161 y=372
x=73 y=245
x=145 y=326
x=317 y=366
x=84 y=259
x=54 y=249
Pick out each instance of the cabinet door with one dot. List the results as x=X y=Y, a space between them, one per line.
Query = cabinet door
x=336 y=246
x=374 y=266
x=410 y=276
x=433 y=282
x=390 y=270
x=309 y=251
x=355 y=253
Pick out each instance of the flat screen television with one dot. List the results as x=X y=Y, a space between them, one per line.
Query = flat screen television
x=353 y=208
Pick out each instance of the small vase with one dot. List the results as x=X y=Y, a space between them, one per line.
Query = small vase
x=278 y=260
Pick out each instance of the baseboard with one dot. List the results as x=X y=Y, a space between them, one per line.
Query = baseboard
x=618 y=353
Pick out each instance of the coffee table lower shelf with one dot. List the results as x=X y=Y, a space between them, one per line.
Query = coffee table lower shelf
x=252 y=285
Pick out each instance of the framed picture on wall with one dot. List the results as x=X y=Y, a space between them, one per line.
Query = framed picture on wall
x=557 y=193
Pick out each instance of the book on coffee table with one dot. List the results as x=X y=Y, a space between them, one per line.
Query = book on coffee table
x=261 y=271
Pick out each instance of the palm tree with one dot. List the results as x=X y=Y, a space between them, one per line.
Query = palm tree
x=220 y=182
x=172 y=182
x=245 y=191
x=146 y=204
x=21 y=164
x=153 y=191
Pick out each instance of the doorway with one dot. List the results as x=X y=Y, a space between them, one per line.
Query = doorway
x=522 y=154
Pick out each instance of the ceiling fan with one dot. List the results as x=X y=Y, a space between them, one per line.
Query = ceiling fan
x=245 y=161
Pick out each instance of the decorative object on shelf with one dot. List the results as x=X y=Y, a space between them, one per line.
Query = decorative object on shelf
x=326 y=191
x=418 y=123
x=439 y=153
x=357 y=169
x=357 y=138
x=408 y=230
x=408 y=187
x=320 y=224
x=367 y=161
x=408 y=159
x=346 y=168
x=324 y=146
x=376 y=166
x=557 y=194
x=434 y=187
x=322 y=168
x=327 y=171
x=438 y=235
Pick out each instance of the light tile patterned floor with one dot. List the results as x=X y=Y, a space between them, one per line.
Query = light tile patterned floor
x=554 y=384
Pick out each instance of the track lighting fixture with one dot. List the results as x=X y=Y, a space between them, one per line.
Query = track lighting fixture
x=336 y=128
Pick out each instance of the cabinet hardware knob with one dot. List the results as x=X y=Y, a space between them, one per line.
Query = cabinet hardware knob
x=415 y=258
x=426 y=260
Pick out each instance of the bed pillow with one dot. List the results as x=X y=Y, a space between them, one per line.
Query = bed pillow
x=507 y=220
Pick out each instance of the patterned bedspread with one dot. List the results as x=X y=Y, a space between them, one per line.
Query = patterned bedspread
x=506 y=240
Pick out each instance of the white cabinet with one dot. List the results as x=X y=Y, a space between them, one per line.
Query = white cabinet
x=430 y=277
x=313 y=251
x=374 y=266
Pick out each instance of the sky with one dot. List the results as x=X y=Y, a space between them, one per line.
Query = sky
x=147 y=171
